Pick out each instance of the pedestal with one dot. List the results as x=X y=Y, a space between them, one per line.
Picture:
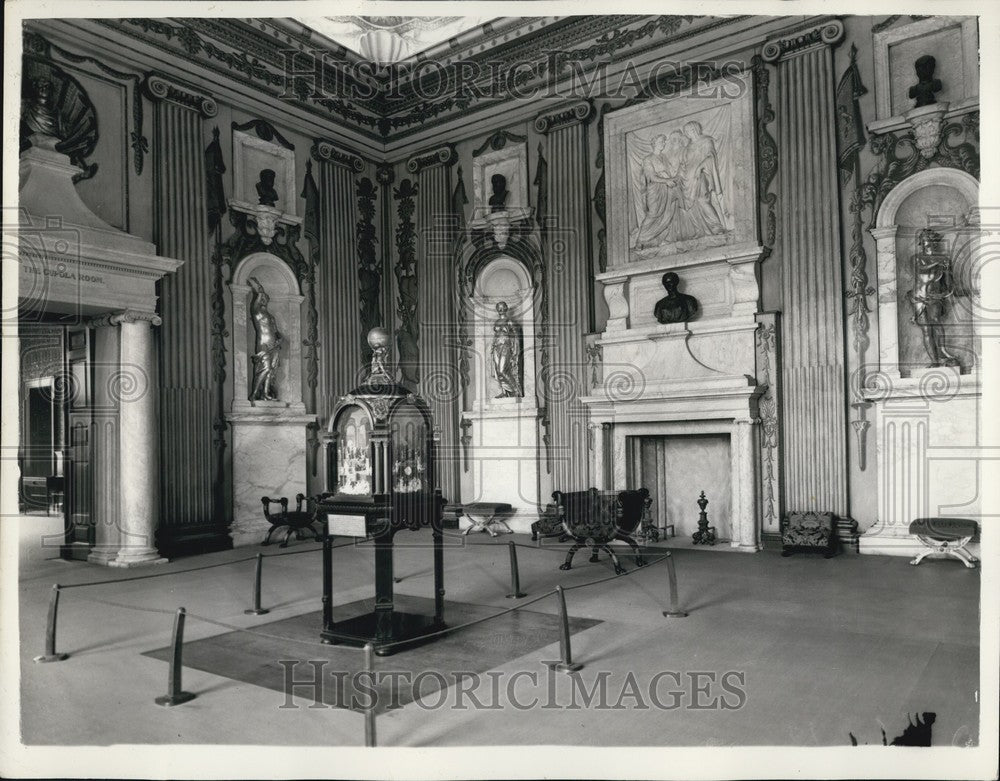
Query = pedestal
x=505 y=463
x=269 y=459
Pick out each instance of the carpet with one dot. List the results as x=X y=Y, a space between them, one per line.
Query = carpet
x=257 y=660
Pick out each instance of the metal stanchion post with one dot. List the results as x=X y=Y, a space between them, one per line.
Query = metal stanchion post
x=515 y=575
x=370 y=710
x=50 y=654
x=257 y=610
x=675 y=611
x=174 y=695
x=567 y=665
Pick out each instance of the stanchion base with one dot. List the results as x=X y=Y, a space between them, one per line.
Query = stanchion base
x=169 y=700
x=44 y=658
x=675 y=613
x=256 y=611
x=563 y=667
x=518 y=595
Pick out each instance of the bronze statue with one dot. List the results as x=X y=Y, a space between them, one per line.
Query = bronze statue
x=674 y=307
x=267 y=345
x=933 y=284
x=378 y=341
x=923 y=91
x=506 y=353
x=265 y=188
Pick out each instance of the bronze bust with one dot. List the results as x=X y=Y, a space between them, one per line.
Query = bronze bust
x=674 y=307
x=265 y=188
x=923 y=91
x=498 y=200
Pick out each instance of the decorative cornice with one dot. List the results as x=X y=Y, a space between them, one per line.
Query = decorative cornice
x=327 y=152
x=126 y=316
x=580 y=111
x=498 y=141
x=265 y=132
x=159 y=86
x=443 y=155
x=827 y=34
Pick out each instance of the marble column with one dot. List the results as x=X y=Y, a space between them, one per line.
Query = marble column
x=340 y=334
x=190 y=477
x=812 y=322
x=139 y=465
x=109 y=381
x=569 y=282
x=439 y=383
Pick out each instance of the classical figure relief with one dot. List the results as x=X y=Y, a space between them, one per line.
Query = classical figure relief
x=933 y=285
x=674 y=307
x=506 y=354
x=267 y=345
x=677 y=191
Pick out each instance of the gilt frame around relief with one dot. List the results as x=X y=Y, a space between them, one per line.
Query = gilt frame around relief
x=693 y=193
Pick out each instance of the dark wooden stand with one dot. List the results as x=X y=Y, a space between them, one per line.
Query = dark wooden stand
x=385 y=627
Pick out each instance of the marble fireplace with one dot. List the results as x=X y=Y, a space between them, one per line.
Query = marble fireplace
x=684 y=404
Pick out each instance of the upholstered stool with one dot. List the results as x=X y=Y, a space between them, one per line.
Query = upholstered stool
x=484 y=515
x=947 y=536
x=809 y=532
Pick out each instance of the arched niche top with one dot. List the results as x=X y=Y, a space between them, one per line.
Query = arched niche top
x=505 y=279
x=965 y=184
x=273 y=273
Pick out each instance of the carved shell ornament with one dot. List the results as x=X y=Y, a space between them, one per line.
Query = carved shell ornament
x=54 y=103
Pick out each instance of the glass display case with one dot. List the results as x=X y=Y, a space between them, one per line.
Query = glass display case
x=380 y=480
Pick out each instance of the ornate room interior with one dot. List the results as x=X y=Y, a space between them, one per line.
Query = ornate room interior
x=524 y=269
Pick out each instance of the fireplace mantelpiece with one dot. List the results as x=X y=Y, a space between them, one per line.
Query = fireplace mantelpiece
x=727 y=405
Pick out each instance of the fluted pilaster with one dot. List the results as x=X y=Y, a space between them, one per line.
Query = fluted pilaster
x=337 y=276
x=439 y=383
x=569 y=279
x=815 y=433
x=188 y=477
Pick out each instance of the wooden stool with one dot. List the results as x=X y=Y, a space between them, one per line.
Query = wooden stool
x=947 y=536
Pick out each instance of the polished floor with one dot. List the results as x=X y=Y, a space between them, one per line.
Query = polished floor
x=815 y=650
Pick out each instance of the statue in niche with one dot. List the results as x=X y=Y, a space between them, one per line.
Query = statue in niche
x=498 y=200
x=674 y=307
x=506 y=354
x=265 y=188
x=267 y=345
x=923 y=91
x=933 y=284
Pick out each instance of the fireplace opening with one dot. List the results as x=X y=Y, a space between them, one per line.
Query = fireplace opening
x=675 y=469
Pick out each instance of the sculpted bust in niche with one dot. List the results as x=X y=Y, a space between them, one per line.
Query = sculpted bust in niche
x=923 y=91
x=265 y=188
x=674 y=307
x=498 y=200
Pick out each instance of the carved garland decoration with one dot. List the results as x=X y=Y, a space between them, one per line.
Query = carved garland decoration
x=600 y=206
x=369 y=267
x=407 y=334
x=768 y=405
x=767 y=152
